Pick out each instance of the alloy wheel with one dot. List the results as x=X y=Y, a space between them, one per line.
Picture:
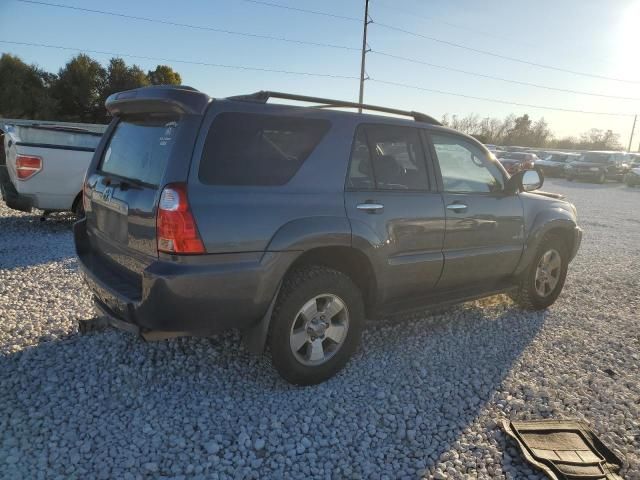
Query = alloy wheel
x=548 y=272
x=319 y=329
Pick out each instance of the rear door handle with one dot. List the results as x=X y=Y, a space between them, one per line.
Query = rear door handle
x=370 y=207
x=457 y=207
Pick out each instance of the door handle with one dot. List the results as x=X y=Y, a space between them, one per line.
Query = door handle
x=370 y=207
x=457 y=207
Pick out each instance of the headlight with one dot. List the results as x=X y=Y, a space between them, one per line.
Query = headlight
x=594 y=169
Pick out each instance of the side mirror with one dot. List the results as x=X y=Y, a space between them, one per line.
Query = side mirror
x=531 y=180
x=525 y=181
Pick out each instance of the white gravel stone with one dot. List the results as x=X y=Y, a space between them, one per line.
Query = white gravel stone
x=422 y=397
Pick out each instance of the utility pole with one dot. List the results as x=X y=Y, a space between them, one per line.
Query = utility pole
x=635 y=119
x=364 y=53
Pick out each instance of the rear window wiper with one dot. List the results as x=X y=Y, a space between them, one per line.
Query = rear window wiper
x=122 y=184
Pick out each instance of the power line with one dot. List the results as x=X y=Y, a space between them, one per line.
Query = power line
x=174 y=60
x=302 y=10
x=188 y=25
x=309 y=74
x=465 y=28
x=447 y=42
x=495 y=100
x=503 y=57
x=502 y=79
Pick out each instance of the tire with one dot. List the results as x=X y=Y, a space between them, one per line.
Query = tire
x=527 y=295
x=602 y=178
x=315 y=287
x=569 y=179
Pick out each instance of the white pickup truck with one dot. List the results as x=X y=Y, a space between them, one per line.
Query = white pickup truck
x=45 y=165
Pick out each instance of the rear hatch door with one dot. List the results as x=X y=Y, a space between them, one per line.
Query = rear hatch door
x=123 y=191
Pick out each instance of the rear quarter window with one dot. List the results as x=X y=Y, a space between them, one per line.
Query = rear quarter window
x=139 y=148
x=255 y=149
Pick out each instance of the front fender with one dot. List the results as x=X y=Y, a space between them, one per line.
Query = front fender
x=555 y=218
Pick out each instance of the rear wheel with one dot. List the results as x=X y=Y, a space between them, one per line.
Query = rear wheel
x=544 y=279
x=316 y=325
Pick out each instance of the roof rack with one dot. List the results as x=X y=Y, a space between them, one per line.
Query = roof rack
x=263 y=96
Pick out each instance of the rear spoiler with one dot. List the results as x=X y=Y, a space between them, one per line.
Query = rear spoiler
x=158 y=99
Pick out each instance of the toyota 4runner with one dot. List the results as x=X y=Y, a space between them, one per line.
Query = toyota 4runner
x=293 y=224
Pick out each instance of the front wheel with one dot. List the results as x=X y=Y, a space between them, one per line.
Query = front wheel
x=316 y=325
x=544 y=279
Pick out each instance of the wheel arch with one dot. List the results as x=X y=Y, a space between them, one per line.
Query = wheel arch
x=555 y=222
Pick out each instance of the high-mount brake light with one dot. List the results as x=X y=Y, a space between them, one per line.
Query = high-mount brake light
x=176 y=228
x=27 y=166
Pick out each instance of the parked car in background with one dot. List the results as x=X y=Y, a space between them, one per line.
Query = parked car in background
x=514 y=162
x=294 y=224
x=553 y=164
x=598 y=166
x=45 y=166
x=632 y=178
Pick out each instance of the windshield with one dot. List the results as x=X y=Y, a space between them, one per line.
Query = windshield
x=595 y=157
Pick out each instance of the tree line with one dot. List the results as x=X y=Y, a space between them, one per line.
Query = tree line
x=524 y=131
x=76 y=93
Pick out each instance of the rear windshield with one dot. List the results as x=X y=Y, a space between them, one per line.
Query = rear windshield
x=139 y=148
x=253 y=149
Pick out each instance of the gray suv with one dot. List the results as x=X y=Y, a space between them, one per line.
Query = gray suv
x=294 y=224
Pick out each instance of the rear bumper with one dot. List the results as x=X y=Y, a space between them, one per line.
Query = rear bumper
x=11 y=197
x=209 y=294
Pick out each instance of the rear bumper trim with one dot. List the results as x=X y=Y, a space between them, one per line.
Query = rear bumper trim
x=217 y=293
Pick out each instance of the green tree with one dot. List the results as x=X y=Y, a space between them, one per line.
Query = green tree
x=120 y=77
x=24 y=90
x=164 y=75
x=78 y=90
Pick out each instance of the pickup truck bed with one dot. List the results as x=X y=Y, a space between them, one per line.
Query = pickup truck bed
x=65 y=153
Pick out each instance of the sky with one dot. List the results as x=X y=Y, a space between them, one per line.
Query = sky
x=596 y=37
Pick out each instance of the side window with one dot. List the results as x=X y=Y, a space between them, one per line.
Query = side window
x=254 y=149
x=360 y=172
x=464 y=167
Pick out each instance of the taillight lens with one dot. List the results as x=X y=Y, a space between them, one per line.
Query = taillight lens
x=27 y=166
x=176 y=228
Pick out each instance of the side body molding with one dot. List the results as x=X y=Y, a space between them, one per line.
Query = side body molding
x=304 y=234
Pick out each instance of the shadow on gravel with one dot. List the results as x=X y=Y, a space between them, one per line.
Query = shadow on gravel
x=26 y=241
x=408 y=394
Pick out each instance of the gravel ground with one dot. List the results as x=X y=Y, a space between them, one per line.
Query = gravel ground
x=420 y=399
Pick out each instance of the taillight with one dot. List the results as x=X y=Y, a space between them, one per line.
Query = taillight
x=27 y=166
x=175 y=226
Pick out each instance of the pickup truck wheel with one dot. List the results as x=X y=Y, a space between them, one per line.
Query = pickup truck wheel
x=316 y=325
x=543 y=281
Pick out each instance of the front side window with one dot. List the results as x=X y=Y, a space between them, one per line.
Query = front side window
x=254 y=149
x=390 y=157
x=464 y=167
